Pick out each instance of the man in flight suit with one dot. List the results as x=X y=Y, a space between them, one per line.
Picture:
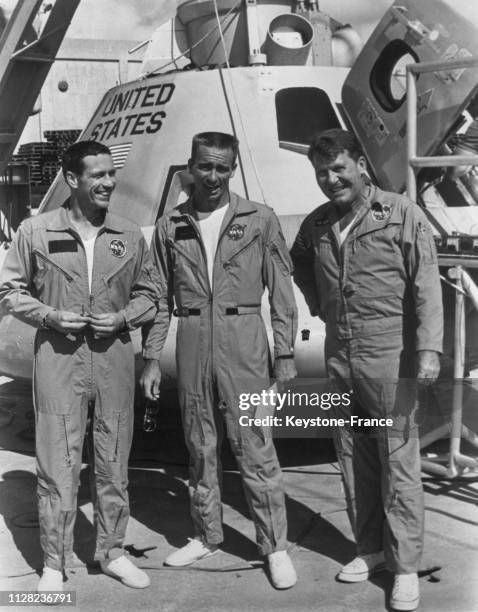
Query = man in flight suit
x=216 y=253
x=83 y=277
x=366 y=264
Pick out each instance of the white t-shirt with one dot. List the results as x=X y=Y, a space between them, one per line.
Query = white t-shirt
x=89 y=250
x=210 y=226
x=345 y=231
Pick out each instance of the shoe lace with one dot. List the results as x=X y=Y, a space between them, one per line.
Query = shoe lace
x=194 y=543
x=404 y=584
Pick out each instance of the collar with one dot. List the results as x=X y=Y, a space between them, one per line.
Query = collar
x=365 y=200
x=237 y=207
x=62 y=223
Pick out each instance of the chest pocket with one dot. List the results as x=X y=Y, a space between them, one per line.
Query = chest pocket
x=52 y=281
x=379 y=242
x=118 y=283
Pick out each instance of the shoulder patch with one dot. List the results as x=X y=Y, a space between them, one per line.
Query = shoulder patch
x=118 y=247
x=422 y=229
x=236 y=231
x=381 y=212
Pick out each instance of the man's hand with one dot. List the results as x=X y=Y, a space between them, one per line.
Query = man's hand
x=284 y=370
x=150 y=379
x=428 y=367
x=66 y=322
x=107 y=324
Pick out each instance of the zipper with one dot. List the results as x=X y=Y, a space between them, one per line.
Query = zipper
x=53 y=263
x=172 y=244
x=210 y=286
x=342 y=270
x=100 y=231
x=285 y=264
x=108 y=278
x=246 y=246
x=65 y=520
x=91 y=301
x=118 y=518
x=117 y=437
x=68 y=457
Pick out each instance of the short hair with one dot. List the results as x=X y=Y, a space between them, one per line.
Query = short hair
x=215 y=139
x=72 y=160
x=332 y=142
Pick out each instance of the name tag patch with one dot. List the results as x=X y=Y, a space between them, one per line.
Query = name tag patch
x=186 y=232
x=62 y=246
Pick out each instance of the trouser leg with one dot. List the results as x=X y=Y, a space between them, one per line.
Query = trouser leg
x=403 y=501
x=339 y=382
x=343 y=444
x=203 y=436
x=359 y=461
x=263 y=486
x=261 y=476
x=393 y=394
x=59 y=443
x=110 y=444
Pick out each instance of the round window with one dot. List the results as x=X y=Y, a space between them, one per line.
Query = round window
x=388 y=78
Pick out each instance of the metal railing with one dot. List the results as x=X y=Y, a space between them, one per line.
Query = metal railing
x=426 y=162
x=455 y=462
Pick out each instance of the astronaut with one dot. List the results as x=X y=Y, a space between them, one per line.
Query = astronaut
x=83 y=277
x=216 y=253
x=366 y=264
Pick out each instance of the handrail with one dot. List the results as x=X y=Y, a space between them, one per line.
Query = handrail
x=420 y=162
x=456 y=461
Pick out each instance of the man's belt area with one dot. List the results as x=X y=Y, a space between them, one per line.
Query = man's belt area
x=230 y=311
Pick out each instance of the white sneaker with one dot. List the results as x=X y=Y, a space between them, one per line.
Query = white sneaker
x=405 y=592
x=194 y=550
x=283 y=574
x=122 y=569
x=362 y=567
x=51 y=580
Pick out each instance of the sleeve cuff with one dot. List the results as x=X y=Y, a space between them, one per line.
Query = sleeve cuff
x=128 y=324
x=150 y=354
x=430 y=347
x=41 y=314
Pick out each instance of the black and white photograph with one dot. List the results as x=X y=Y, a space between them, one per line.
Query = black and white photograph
x=239 y=305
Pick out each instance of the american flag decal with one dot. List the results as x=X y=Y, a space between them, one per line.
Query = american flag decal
x=119 y=153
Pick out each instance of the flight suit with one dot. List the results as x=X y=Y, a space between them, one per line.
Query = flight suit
x=222 y=351
x=46 y=269
x=379 y=294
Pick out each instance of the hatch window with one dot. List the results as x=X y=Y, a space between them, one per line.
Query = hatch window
x=302 y=112
x=388 y=78
x=177 y=188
